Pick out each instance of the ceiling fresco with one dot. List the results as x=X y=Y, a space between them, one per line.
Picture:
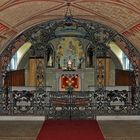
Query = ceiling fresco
x=18 y=15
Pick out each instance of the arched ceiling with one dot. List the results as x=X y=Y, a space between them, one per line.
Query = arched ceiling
x=121 y=15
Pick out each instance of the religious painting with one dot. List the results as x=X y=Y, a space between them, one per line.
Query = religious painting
x=70 y=53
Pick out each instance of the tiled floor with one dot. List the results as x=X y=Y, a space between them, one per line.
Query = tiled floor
x=28 y=130
x=120 y=130
x=19 y=130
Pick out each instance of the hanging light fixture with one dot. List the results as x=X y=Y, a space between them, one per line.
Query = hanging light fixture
x=68 y=16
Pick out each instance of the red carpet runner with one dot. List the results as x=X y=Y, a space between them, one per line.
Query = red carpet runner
x=70 y=130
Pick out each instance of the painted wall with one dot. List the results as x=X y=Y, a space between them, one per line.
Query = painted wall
x=52 y=74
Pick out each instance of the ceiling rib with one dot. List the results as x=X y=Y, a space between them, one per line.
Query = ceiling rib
x=99 y=15
x=40 y=13
x=16 y=2
x=119 y=3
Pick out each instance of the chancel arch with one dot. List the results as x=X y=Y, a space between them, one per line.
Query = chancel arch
x=72 y=55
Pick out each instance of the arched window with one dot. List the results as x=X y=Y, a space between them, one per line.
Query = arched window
x=49 y=58
x=90 y=56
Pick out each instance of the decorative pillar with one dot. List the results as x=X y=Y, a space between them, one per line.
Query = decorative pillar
x=36 y=71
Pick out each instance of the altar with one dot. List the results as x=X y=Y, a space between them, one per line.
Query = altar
x=69 y=80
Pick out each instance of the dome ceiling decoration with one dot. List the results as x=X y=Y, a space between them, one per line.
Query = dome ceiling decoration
x=121 y=15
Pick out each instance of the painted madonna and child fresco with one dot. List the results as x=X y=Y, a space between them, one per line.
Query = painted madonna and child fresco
x=70 y=54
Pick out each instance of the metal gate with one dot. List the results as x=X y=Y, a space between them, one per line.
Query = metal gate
x=70 y=105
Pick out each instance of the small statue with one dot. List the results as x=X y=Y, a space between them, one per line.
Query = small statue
x=69 y=64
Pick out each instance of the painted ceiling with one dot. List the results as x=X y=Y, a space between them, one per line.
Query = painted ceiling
x=121 y=15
